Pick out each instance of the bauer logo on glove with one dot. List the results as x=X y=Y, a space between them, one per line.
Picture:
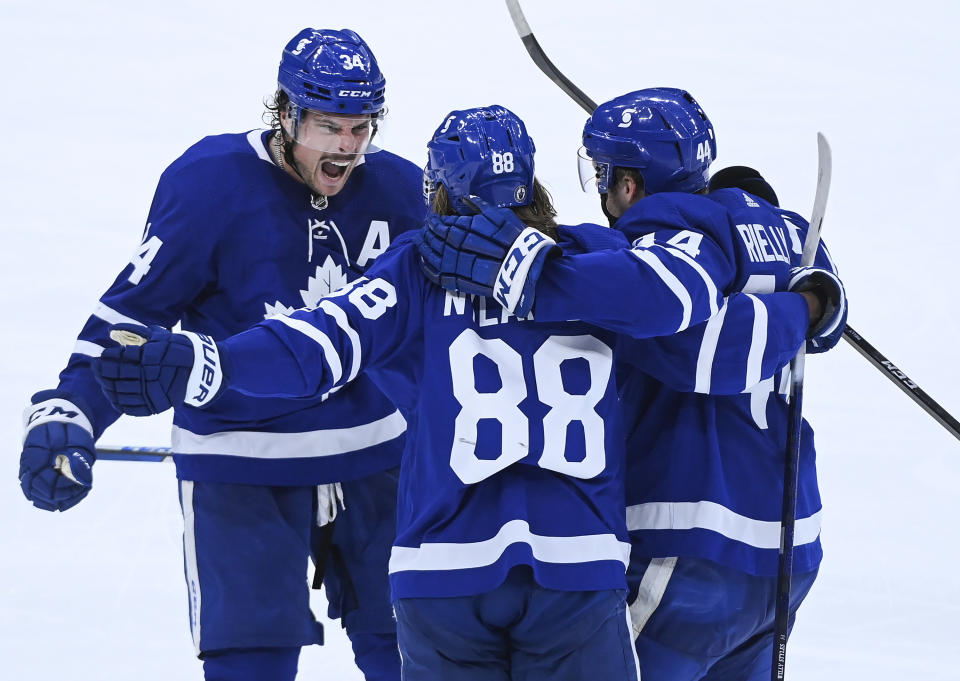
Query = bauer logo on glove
x=517 y=266
x=205 y=377
x=154 y=369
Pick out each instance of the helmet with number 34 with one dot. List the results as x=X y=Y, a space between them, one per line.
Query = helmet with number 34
x=331 y=71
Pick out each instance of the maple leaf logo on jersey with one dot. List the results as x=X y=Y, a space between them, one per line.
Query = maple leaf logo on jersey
x=328 y=278
x=277 y=309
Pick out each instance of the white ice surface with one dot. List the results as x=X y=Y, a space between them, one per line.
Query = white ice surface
x=99 y=96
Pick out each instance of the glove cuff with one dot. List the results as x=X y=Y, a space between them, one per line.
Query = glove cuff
x=51 y=406
x=206 y=376
x=516 y=266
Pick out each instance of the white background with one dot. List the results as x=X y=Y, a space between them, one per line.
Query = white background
x=98 y=97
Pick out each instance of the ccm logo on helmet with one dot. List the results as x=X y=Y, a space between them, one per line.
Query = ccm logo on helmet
x=355 y=93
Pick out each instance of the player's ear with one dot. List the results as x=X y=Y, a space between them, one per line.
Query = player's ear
x=625 y=188
x=630 y=190
x=286 y=123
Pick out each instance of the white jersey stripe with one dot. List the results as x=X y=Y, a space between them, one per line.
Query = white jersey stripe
x=672 y=282
x=708 y=349
x=330 y=355
x=87 y=348
x=463 y=556
x=314 y=443
x=653 y=585
x=632 y=644
x=190 y=561
x=255 y=141
x=757 y=343
x=112 y=317
x=340 y=317
x=712 y=516
x=785 y=381
x=707 y=279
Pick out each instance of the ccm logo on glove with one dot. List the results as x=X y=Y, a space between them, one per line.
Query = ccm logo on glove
x=55 y=411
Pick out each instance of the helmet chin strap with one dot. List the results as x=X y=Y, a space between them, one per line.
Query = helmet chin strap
x=285 y=155
x=611 y=219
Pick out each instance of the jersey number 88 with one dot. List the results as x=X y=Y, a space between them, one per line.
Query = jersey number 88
x=504 y=404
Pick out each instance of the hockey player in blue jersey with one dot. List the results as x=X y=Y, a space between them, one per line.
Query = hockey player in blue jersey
x=705 y=461
x=510 y=555
x=244 y=226
x=705 y=471
x=522 y=392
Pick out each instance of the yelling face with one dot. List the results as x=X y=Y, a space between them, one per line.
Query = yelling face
x=327 y=147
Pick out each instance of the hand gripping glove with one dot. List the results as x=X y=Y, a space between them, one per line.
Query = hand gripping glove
x=825 y=332
x=155 y=369
x=491 y=254
x=56 y=464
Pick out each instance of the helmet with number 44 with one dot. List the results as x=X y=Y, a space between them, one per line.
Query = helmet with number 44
x=663 y=133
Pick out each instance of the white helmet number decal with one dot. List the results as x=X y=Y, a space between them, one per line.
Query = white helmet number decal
x=351 y=62
x=703 y=152
x=502 y=163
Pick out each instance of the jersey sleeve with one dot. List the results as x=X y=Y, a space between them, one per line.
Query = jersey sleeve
x=314 y=351
x=749 y=340
x=797 y=227
x=170 y=268
x=672 y=278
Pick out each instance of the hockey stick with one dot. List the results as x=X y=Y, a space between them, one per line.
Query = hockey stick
x=900 y=379
x=540 y=59
x=134 y=453
x=791 y=466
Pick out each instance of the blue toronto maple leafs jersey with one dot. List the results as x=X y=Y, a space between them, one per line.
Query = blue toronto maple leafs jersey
x=515 y=448
x=231 y=239
x=707 y=429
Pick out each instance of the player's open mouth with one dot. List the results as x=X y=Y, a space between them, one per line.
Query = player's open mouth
x=334 y=170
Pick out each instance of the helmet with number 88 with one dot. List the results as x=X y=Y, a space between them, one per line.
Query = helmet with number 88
x=484 y=151
x=661 y=132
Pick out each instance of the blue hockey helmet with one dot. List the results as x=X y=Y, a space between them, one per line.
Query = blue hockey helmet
x=484 y=151
x=661 y=132
x=332 y=71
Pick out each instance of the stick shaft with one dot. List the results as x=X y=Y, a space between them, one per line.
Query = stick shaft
x=902 y=381
x=791 y=465
x=134 y=453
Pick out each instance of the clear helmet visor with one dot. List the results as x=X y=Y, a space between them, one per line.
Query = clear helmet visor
x=429 y=186
x=348 y=135
x=327 y=147
x=594 y=176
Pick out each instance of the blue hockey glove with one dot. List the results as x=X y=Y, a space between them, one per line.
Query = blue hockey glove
x=491 y=254
x=825 y=332
x=56 y=464
x=156 y=369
